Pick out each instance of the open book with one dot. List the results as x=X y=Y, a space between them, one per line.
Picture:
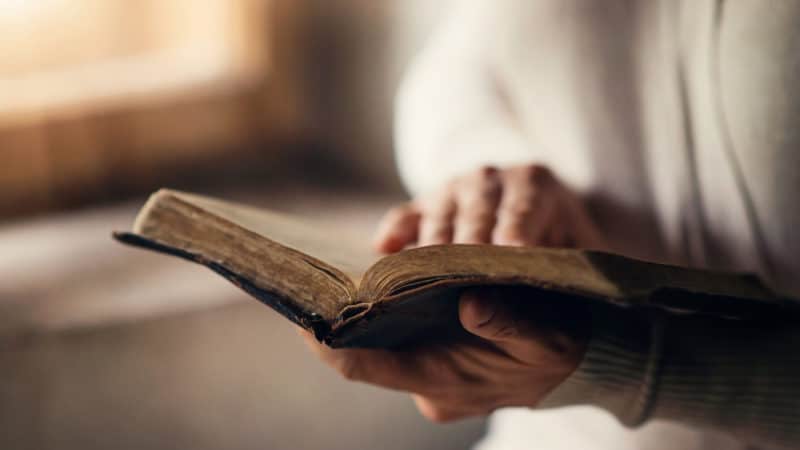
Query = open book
x=330 y=282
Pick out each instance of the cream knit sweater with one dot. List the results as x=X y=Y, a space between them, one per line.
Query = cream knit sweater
x=679 y=121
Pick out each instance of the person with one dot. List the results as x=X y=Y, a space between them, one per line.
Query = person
x=660 y=129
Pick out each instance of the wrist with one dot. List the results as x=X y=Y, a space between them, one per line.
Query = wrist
x=616 y=372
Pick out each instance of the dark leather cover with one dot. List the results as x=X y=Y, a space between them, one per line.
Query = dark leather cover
x=429 y=311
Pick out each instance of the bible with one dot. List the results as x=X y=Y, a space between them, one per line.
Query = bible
x=330 y=283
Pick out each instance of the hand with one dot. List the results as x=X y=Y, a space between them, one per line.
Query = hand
x=523 y=205
x=521 y=350
x=517 y=358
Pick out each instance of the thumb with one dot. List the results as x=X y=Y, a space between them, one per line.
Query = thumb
x=487 y=313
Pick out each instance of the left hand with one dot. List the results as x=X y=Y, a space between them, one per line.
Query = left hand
x=519 y=360
x=523 y=205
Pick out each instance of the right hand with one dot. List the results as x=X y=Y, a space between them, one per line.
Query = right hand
x=523 y=205
x=524 y=351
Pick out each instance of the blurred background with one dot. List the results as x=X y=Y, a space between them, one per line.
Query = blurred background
x=281 y=103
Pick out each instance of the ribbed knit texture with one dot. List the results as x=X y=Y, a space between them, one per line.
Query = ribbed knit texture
x=725 y=375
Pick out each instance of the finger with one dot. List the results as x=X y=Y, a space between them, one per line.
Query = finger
x=557 y=231
x=436 y=223
x=526 y=209
x=392 y=370
x=485 y=315
x=585 y=233
x=397 y=229
x=477 y=198
x=556 y=236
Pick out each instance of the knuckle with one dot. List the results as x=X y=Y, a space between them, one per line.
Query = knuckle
x=537 y=174
x=485 y=187
x=488 y=191
x=479 y=190
x=461 y=388
x=349 y=368
x=438 y=368
x=524 y=207
x=506 y=331
x=479 y=204
x=485 y=173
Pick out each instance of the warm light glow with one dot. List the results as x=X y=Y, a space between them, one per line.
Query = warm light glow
x=25 y=9
x=75 y=53
x=8 y=7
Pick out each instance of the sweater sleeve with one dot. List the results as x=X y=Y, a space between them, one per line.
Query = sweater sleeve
x=735 y=377
x=452 y=113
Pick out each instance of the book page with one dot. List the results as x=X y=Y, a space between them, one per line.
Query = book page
x=609 y=277
x=348 y=253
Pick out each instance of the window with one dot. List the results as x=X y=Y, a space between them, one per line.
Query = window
x=64 y=54
x=104 y=96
